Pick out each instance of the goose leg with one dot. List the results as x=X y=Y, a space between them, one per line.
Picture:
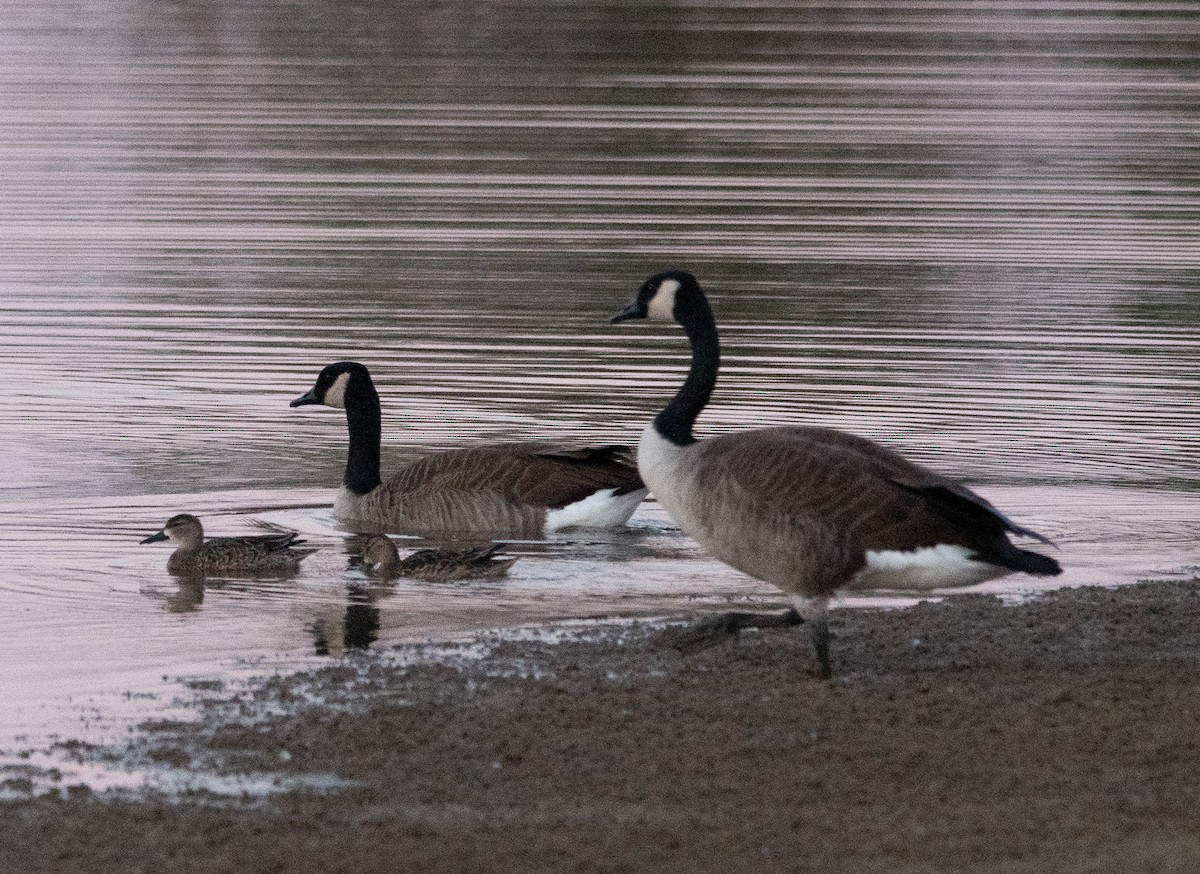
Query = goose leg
x=818 y=630
x=717 y=629
x=816 y=615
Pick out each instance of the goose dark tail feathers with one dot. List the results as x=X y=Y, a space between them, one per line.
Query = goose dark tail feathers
x=1031 y=562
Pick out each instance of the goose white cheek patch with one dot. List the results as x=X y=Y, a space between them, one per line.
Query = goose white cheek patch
x=335 y=395
x=662 y=305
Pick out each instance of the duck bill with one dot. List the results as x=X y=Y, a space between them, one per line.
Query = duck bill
x=309 y=397
x=155 y=538
x=633 y=311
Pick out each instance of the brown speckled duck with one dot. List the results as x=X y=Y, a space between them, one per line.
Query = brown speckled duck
x=381 y=559
x=264 y=553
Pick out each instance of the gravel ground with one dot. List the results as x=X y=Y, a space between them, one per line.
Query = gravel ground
x=962 y=736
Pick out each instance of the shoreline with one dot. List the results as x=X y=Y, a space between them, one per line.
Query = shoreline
x=1057 y=734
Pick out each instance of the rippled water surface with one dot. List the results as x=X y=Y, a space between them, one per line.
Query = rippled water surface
x=970 y=231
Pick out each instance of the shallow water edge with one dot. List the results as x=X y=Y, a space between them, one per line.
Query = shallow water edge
x=591 y=744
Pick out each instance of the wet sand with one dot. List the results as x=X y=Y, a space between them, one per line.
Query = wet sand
x=965 y=736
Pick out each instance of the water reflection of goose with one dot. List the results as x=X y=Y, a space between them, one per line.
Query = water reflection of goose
x=519 y=489
x=263 y=553
x=811 y=510
x=381 y=559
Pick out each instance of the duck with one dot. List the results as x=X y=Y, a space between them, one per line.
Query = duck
x=814 y=511
x=519 y=490
x=381 y=559
x=195 y=555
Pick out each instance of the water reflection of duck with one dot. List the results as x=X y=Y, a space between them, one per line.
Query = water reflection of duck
x=812 y=510
x=357 y=628
x=264 y=553
x=381 y=559
x=188 y=596
x=518 y=489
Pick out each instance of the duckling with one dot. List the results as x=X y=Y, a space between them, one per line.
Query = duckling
x=517 y=489
x=381 y=559
x=193 y=555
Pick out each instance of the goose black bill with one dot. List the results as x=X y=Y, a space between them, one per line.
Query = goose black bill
x=309 y=397
x=635 y=310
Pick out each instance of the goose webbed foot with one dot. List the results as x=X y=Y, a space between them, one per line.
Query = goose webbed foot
x=718 y=629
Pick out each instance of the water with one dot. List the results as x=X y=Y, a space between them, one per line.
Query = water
x=967 y=230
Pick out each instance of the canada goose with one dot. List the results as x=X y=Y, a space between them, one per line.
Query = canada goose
x=381 y=559
x=811 y=510
x=264 y=553
x=512 y=489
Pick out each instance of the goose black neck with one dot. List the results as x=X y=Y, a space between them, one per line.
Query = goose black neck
x=365 y=423
x=676 y=420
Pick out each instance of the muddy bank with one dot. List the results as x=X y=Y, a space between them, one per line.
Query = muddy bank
x=1058 y=735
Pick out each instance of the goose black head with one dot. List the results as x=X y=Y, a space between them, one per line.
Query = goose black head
x=660 y=297
x=333 y=384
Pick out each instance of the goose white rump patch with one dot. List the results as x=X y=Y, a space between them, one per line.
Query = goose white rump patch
x=602 y=509
x=932 y=567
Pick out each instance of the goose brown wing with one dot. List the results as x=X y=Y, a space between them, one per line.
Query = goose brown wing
x=533 y=474
x=955 y=501
x=949 y=499
x=799 y=477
